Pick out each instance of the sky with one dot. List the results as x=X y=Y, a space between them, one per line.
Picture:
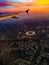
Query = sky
x=3 y=0
x=21 y=5
x=23 y=1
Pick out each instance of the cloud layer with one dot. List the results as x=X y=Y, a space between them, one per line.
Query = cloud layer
x=35 y=6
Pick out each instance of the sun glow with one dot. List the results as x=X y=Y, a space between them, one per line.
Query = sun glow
x=33 y=5
x=43 y=2
x=40 y=5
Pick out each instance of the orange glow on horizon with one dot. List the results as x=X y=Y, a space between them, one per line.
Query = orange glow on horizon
x=35 y=6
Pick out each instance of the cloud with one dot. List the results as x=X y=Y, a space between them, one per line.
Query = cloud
x=37 y=5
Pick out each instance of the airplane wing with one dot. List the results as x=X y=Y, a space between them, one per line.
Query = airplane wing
x=13 y=15
x=3 y=17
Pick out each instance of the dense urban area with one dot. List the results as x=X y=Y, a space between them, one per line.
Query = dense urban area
x=19 y=48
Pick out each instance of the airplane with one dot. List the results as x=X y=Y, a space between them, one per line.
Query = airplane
x=12 y=15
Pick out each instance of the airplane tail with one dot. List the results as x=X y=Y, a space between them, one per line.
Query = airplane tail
x=27 y=11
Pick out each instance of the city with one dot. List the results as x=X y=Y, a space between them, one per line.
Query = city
x=28 y=46
x=24 y=32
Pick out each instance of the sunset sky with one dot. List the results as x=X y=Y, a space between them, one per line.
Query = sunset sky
x=21 y=5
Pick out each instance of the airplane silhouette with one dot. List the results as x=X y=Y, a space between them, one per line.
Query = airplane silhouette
x=13 y=15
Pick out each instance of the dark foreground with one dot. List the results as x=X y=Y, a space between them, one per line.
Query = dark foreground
x=16 y=48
